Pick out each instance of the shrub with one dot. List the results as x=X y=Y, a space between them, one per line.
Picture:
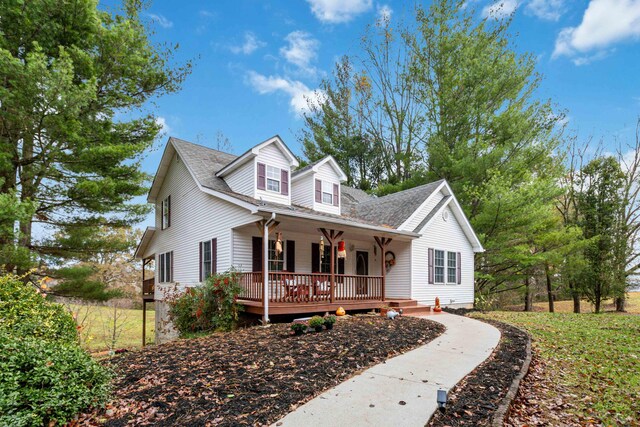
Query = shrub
x=43 y=381
x=24 y=312
x=45 y=377
x=316 y=322
x=212 y=306
x=298 y=327
x=330 y=320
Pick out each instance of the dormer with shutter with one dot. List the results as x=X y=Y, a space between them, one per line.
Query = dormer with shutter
x=317 y=186
x=262 y=172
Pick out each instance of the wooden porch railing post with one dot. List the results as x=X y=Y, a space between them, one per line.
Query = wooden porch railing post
x=382 y=242
x=332 y=237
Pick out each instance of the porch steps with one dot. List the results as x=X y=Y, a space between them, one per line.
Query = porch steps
x=409 y=307
x=417 y=310
x=402 y=303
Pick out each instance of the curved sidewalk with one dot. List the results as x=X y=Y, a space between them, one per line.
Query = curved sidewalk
x=402 y=390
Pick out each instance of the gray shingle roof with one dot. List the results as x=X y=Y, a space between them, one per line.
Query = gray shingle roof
x=305 y=168
x=396 y=208
x=204 y=162
x=389 y=211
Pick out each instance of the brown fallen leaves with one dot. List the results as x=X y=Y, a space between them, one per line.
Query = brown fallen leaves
x=252 y=376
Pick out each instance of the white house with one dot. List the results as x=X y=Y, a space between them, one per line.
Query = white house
x=215 y=211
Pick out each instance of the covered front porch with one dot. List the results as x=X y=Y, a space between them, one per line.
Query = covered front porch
x=310 y=275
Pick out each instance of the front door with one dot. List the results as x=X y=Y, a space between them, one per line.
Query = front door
x=362 y=269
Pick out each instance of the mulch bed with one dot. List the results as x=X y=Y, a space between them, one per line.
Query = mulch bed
x=252 y=376
x=475 y=399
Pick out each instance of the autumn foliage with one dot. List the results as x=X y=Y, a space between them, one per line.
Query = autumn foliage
x=212 y=306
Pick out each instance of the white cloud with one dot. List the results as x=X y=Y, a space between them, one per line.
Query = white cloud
x=604 y=23
x=549 y=10
x=161 y=20
x=297 y=91
x=251 y=44
x=384 y=13
x=500 y=9
x=301 y=51
x=338 y=11
x=165 y=129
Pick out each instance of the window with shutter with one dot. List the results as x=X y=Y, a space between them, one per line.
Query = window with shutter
x=438 y=266
x=318 y=191
x=452 y=269
x=262 y=176
x=284 y=178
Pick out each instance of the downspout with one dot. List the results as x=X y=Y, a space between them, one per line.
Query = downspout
x=265 y=268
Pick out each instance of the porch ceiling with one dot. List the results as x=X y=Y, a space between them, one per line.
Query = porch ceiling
x=311 y=223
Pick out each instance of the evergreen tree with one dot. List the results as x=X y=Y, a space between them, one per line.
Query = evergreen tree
x=75 y=83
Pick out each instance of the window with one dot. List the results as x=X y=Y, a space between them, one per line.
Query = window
x=165 y=267
x=166 y=212
x=452 y=267
x=276 y=263
x=273 y=179
x=439 y=266
x=208 y=258
x=325 y=264
x=327 y=192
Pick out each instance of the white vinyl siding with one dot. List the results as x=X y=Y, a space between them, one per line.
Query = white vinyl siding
x=302 y=191
x=243 y=180
x=196 y=216
x=271 y=156
x=329 y=177
x=448 y=236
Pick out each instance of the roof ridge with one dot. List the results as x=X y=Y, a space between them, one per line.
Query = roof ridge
x=201 y=146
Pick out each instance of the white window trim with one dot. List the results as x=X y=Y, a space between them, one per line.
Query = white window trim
x=455 y=268
x=278 y=179
x=206 y=262
x=324 y=185
x=436 y=266
x=164 y=212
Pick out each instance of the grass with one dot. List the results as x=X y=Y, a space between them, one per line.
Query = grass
x=632 y=305
x=97 y=327
x=595 y=356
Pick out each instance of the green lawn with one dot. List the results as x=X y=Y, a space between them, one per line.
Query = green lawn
x=98 y=326
x=595 y=356
x=632 y=305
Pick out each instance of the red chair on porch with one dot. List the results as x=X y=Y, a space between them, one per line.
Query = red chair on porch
x=322 y=287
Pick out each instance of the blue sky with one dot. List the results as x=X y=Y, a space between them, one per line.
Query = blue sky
x=255 y=61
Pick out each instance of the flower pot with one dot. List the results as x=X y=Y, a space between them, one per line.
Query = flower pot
x=298 y=332
x=318 y=328
x=328 y=325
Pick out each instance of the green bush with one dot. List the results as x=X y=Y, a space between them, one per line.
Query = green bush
x=45 y=377
x=24 y=312
x=42 y=381
x=212 y=306
x=316 y=322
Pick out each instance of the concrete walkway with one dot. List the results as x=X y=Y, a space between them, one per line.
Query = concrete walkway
x=376 y=396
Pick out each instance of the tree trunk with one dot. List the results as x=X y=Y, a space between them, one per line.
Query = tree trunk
x=549 y=288
x=575 y=295
x=528 y=297
x=620 y=303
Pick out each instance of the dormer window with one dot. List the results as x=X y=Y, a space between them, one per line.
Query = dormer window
x=273 y=179
x=327 y=193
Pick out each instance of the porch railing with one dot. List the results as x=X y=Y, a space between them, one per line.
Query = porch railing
x=310 y=287
x=148 y=286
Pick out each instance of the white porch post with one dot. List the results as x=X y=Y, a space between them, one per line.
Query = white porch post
x=265 y=273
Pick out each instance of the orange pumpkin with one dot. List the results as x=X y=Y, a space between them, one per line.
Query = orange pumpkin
x=340 y=311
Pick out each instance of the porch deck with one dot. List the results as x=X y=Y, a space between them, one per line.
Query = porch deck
x=290 y=293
